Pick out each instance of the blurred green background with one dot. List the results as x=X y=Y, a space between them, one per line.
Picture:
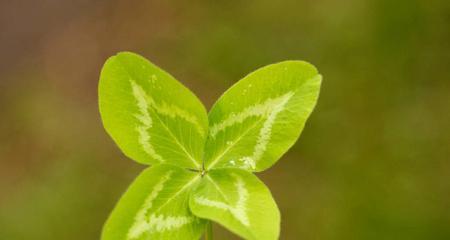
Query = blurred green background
x=373 y=161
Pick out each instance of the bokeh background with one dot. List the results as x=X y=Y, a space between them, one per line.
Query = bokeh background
x=373 y=161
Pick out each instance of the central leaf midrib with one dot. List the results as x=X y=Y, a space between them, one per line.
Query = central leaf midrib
x=182 y=189
x=176 y=140
x=218 y=189
x=163 y=123
x=214 y=162
x=226 y=199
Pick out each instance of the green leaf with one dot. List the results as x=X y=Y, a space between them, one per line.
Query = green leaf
x=259 y=118
x=150 y=115
x=239 y=201
x=156 y=207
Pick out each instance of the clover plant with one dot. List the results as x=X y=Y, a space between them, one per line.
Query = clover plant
x=202 y=164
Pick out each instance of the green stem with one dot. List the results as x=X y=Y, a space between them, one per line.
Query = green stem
x=209 y=231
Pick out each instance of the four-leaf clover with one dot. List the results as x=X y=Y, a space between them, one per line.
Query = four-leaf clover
x=202 y=164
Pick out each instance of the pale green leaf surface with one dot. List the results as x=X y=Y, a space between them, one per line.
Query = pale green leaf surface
x=150 y=115
x=156 y=120
x=238 y=200
x=156 y=207
x=260 y=117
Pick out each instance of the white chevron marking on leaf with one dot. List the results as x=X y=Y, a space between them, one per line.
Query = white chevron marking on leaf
x=265 y=133
x=141 y=225
x=146 y=121
x=145 y=103
x=262 y=109
x=174 y=111
x=159 y=223
x=164 y=108
x=239 y=209
x=164 y=223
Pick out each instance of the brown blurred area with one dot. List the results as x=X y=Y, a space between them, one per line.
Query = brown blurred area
x=373 y=161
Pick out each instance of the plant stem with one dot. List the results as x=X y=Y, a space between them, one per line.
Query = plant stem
x=209 y=231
